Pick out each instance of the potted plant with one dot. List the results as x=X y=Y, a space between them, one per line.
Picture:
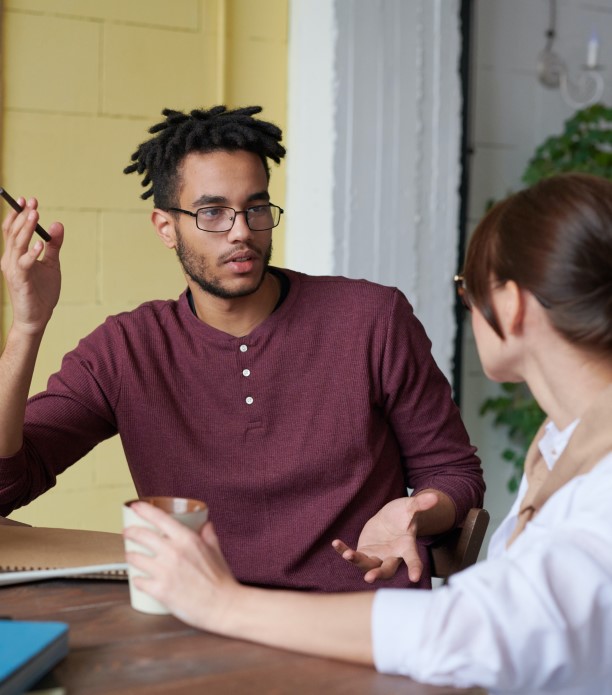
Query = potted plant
x=584 y=145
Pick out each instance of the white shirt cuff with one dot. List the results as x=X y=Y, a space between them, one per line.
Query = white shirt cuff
x=398 y=620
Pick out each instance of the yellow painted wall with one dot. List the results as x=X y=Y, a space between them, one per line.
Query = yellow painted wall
x=83 y=80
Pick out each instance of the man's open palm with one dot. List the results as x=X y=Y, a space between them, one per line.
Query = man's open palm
x=388 y=539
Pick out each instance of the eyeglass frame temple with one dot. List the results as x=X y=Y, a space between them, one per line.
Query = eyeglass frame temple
x=464 y=296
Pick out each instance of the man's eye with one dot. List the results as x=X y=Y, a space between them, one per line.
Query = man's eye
x=259 y=209
x=211 y=213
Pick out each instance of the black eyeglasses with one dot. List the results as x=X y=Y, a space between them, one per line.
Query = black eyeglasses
x=462 y=292
x=259 y=218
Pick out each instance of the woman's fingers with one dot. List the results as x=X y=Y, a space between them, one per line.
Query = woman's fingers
x=145 y=563
x=146 y=537
x=160 y=519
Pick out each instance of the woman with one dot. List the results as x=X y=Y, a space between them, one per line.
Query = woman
x=537 y=615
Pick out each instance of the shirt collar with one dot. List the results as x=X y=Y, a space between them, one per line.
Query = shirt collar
x=554 y=442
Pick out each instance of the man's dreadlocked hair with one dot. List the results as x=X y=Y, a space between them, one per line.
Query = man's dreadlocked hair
x=200 y=131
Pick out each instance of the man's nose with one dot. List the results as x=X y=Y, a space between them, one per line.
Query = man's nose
x=240 y=229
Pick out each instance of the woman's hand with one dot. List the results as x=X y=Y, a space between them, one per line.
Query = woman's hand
x=189 y=575
x=187 y=571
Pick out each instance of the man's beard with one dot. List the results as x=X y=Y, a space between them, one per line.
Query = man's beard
x=197 y=269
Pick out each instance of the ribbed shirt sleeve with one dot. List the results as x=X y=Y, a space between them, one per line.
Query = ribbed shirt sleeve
x=434 y=444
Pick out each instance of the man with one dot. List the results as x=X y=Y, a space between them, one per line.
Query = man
x=295 y=406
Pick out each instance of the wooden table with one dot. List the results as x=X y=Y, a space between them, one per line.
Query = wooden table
x=115 y=649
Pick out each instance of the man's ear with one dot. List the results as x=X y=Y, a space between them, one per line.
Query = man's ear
x=513 y=308
x=164 y=226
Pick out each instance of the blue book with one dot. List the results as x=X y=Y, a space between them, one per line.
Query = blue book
x=29 y=650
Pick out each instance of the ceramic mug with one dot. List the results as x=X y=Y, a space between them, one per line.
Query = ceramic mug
x=190 y=512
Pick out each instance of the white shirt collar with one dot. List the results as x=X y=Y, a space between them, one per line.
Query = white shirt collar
x=554 y=442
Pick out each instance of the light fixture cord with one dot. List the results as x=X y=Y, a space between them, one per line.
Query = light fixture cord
x=552 y=24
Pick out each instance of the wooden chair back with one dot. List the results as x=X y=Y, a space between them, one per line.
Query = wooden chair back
x=459 y=548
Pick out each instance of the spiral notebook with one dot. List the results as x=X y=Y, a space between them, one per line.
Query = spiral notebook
x=30 y=554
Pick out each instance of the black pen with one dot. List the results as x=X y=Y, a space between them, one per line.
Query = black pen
x=15 y=205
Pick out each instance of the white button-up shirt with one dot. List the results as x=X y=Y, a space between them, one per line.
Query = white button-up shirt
x=533 y=618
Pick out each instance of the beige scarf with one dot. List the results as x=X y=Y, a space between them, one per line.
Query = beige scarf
x=589 y=443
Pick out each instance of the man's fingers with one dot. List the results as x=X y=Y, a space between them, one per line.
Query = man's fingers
x=32 y=254
x=415 y=569
x=425 y=501
x=8 y=222
x=339 y=546
x=52 y=247
x=386 y=570
x=413 y=562
x=361 y=560
x=12 y=214
x=355 y=557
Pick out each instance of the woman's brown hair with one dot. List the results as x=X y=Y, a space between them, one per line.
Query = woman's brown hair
x=555 y=241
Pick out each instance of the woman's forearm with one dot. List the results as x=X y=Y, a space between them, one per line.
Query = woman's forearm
x=329 y=625
x=189 y=574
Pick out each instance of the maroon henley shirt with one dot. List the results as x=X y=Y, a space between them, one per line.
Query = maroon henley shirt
x=294 y=435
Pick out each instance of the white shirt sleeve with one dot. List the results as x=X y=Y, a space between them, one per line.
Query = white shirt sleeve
x=537 y=618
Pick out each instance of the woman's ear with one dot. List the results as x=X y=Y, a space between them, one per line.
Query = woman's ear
x=164 y=226
x=511 y=308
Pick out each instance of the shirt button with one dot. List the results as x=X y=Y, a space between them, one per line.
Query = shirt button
x=249 y=400
x=243 y=348
x=246 y=372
